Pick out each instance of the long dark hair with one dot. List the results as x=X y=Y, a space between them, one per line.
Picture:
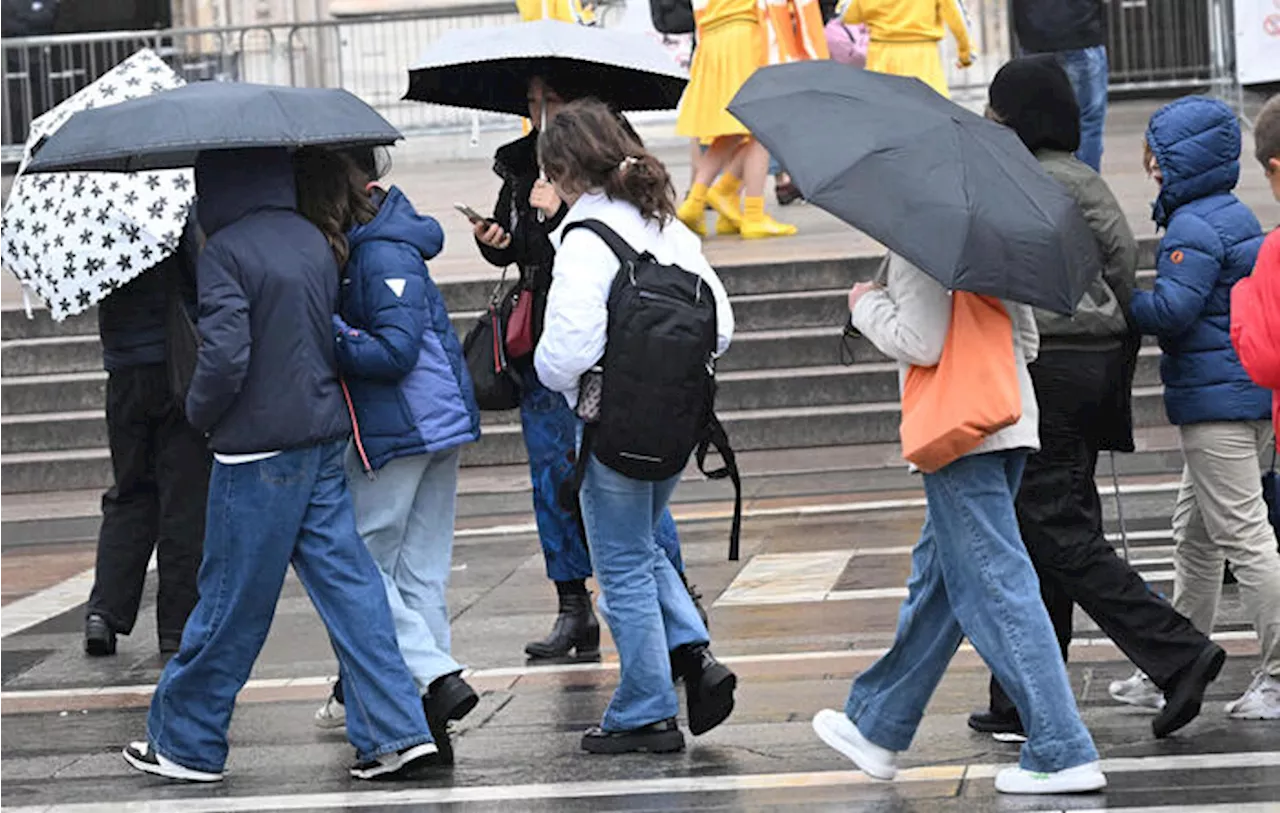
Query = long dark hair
x=585 y=147
x=332 y=194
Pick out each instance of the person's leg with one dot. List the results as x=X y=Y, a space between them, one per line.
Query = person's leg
x=994 y=593
x=1088 y=70
x=550 y=436
x=755 y=223
x=680 y=616
x=384 y=710
x=384 y=511
x=1197 y=562
x=719 y=155
x=425 y=567
x=725 y=195
x=255 y=510
x=1223 y=461
x=619 y=515
x=130 y=510
x=1060 y=516
x=182 y=466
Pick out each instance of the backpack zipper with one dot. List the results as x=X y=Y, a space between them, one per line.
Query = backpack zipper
x=654 y=295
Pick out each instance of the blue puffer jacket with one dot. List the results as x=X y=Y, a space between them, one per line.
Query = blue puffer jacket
x=1210 y=244
x=396 y=347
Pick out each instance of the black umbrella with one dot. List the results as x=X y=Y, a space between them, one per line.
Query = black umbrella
x=957 y=195
x=166 y=130
x=490 y=68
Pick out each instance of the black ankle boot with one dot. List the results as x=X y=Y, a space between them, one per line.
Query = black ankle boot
x=696 y=597
x=449 y=697
x=576 y=628
x=708 y=686
x=99 y=638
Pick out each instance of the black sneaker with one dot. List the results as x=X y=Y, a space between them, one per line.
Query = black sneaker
x=1003 y=728
x=99 y=638
x=403 y=764
x=662 y=737
x=144 y=758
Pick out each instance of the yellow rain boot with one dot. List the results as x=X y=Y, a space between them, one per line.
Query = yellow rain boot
x=724 y=198
x=692 y=212
x=756 y=224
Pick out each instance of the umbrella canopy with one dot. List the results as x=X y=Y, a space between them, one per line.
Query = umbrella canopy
x=168 y=129
x=957 y=195
x=489 y=68
x=74 y=238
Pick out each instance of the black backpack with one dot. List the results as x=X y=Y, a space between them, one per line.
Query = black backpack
x=672 y=16
x=657 y=402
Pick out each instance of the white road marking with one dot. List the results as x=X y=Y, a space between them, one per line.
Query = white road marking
x=403 y=797
x=506 y=672
x=53 y=601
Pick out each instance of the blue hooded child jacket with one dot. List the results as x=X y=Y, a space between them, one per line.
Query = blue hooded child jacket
x=1210 y=243
x=397 y=349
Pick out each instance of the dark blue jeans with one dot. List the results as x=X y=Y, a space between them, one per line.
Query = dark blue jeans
x=551 y=436
x=1088 y=70
x=263 y=516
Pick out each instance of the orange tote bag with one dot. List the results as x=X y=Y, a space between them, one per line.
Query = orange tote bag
x=972 y=393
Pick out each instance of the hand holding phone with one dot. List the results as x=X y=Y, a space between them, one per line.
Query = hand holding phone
x=469 y=213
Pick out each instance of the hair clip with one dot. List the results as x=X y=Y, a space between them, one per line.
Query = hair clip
x=630 y=160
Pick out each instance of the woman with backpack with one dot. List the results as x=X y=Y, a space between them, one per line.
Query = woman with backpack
x=413 y=408
x=607 y=179
x=527 y=212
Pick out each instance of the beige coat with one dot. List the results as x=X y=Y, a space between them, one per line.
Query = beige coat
x=908 y=319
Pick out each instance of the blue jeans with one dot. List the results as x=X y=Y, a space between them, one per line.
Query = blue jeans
x=262 y=516
x=405 y=515
x=971 y=577
x=1089 y=71
x=645 y=603
x=550 y=436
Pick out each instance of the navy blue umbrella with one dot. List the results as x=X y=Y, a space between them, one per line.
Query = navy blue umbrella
x=167 y=130
x=957 y=195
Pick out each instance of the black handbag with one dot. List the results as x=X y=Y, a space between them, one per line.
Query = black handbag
x=485 y=351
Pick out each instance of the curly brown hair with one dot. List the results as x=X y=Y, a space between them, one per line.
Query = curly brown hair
x=332 y=194
x=585 y=148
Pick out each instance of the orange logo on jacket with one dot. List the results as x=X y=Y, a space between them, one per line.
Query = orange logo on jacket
x=1176 y=257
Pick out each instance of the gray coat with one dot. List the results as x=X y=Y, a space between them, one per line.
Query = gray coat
x=1100 y=318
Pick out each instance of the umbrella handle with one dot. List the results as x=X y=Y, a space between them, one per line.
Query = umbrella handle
x=1115 y=484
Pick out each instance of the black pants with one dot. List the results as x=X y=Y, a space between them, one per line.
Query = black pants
x=161 y=468
x=1060 y=516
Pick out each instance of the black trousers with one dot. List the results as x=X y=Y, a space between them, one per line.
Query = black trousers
x=1060 y=516
x=161 y=467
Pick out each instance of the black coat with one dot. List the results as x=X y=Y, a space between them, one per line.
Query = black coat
x=266 y=378
x=132 y=320
x=530 y=249
x=1044 y=26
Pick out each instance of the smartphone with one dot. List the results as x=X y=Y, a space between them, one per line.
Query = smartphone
x=469 y=213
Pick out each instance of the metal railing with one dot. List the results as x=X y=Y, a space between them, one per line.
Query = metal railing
x=1153 y=45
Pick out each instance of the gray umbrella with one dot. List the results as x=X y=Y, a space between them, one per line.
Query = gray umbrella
x=166 y=130
x=957 y=195
x=490 y=68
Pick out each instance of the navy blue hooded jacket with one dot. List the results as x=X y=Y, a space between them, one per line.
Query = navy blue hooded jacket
x=266 y=378
x=1210 y=244
x=397 y=348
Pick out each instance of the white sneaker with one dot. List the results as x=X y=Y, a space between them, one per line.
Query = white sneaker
x=141 y=756
x=332 y=714
x=1080 y=779
x=1137 y=690
x=1260 y=702
x=836 y=730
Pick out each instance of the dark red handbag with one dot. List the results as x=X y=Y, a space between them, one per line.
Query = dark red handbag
x=520 y=326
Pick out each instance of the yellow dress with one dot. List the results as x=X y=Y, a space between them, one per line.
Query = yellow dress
x=731 y=47
x=568 y=11
x=905 y=36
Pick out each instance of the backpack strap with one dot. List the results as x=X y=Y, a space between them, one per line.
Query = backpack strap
x=620 y=248
x=719 y=439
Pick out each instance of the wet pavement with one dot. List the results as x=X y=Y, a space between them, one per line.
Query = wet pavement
x=830 y=612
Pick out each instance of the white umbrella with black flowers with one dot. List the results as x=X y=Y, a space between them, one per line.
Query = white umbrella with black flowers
x=73 y=238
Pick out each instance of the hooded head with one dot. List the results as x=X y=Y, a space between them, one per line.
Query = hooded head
x=1033 y=96
x=1196 y=144
x=232 y=183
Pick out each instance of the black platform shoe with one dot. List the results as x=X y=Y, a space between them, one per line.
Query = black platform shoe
x=708 y=685
x=99 y=638
x=662 y=737
x=448 y=698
